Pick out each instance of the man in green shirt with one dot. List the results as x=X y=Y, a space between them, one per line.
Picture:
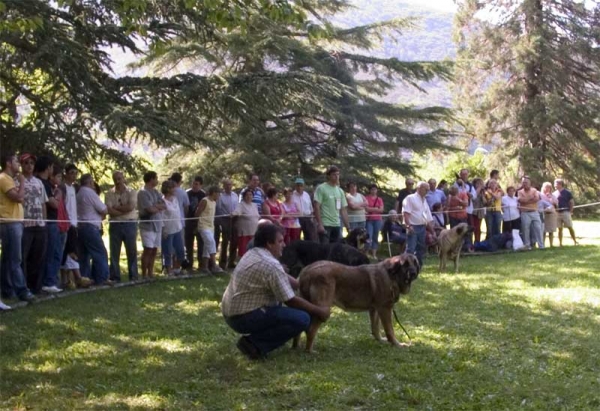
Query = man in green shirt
x=330 y=204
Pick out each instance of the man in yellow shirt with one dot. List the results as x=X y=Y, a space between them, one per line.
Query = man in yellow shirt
x=12 y=280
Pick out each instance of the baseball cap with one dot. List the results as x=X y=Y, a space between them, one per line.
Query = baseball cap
x=27 y=156
x=299 y=180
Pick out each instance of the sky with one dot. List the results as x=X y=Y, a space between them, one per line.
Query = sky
x=441 y=5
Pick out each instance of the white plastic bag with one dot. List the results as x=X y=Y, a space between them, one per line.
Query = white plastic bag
x=517 y=243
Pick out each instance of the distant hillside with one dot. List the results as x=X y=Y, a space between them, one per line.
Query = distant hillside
x=431 y=41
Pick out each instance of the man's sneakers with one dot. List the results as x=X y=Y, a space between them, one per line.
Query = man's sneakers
x=52 y=290
x=248 y=349
x=4 y=307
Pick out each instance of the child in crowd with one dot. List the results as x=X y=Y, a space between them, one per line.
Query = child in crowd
x=206 y=227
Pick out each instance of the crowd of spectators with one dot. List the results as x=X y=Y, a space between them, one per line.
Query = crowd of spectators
x=51 y=223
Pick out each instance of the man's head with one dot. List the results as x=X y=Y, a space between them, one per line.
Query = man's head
x=119 y=179
x=299 y=183
x=87 y=180
x=10 y=163
x=270 y=236
x=511 y=190
x=393 y=215
x=422 y=188
x=409 y=183
x=559 y=184
x=526 y=182
x=197 y=184
x=151 y=178
x=27 y=163
x=227 y=185
x=71 y=173
x=464 y=174
x=253 y=181
x=432 y=184
x=43 y=165
x=495 y=174
x=176 y=178
x=333 y=175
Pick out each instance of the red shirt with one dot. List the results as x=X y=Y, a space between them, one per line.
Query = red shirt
x=374 y=203
x=454 y=204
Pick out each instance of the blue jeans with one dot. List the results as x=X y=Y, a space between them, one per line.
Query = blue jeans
x=11 y=273
x=357 y=224
x=415 y=243
x=373 y=229
x=92 y=247
x=331 y=235
x=269 y=328
x=172 y=245
x=118 y=233
x=493 y=219
x=53 y=255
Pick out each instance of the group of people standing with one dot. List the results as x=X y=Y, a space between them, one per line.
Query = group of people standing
x=533 y=213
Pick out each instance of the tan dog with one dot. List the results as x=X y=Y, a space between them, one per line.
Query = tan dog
x=450 y=243
x=372 y=287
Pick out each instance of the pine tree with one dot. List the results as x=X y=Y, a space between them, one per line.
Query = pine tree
x=528 y=80
x=57 y=92
x=355 y=128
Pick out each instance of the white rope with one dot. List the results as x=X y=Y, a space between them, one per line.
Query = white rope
x=244 y=215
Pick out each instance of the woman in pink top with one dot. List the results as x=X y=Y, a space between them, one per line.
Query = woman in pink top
x=374 y=220
x=290 y=218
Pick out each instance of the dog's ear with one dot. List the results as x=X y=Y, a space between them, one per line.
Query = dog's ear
x=390 y=263
x=409 y=260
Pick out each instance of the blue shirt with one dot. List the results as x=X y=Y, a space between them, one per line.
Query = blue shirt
x=564 y=199
x=436 y=196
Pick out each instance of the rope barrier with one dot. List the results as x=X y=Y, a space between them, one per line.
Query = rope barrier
x=243 y=215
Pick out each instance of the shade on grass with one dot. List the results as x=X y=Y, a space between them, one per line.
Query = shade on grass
x=513 y=330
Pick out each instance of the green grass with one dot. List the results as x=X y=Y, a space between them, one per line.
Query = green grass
x=510 y=331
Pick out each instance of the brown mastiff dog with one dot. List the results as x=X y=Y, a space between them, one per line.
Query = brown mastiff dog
x=372 y=287
x=450 y=243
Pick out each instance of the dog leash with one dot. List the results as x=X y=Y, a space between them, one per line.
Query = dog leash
x=401 y=326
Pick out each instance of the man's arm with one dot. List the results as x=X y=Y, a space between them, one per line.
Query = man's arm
x=571 y=205
x=17 y=195
x=317 y=209
x=112 y=211
x=322 y=313
x=344 y=213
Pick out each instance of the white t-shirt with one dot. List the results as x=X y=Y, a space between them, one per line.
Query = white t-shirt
x=172 y=216
x=510 y=208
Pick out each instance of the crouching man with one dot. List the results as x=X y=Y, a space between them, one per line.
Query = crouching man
x=252 y=302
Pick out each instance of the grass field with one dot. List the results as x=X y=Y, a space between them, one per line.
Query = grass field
x=510 y=331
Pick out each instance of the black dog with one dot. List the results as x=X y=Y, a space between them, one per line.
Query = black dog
x=358 y=238
x=301 y=253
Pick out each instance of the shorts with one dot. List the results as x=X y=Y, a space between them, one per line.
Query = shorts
x=564 y=219
x=70 y=264
x=208 y=238
x=151 y=239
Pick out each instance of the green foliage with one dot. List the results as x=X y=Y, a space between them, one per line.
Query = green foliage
x=445 y=166
x=57 y=93
x=352 y=128
x=527 y=81
x=512 y=330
